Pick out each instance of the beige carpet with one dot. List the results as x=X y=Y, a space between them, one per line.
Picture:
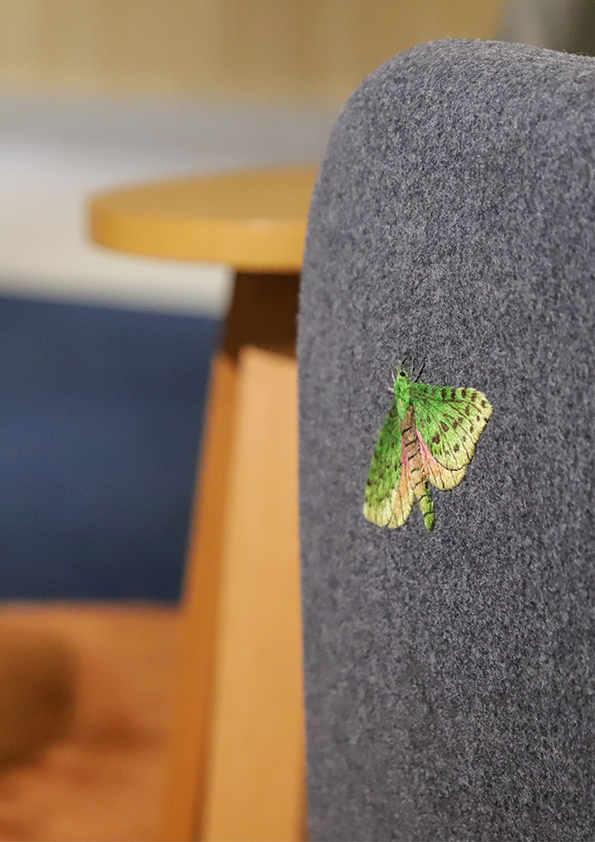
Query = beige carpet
x=103 y=782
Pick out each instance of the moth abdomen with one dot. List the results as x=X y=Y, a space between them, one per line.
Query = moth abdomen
x=426 y=504
x=411 y=445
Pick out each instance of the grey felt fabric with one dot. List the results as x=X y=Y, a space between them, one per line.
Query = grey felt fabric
x=450 y=676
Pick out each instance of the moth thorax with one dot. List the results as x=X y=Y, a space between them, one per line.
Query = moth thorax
x=402 y=394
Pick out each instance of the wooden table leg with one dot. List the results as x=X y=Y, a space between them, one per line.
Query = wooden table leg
x=221 y=782
x=256 y=769
x=189 y=749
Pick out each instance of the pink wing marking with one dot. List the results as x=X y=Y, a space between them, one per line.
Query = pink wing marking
x=405 y=496
x=438 y=475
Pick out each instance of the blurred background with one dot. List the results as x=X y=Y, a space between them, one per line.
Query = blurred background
x=100 y=407
x=104 y=358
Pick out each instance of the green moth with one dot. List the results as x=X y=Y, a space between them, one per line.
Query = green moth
x=428 y=438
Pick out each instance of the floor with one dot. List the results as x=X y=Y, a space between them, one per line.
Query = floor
x=103 y=782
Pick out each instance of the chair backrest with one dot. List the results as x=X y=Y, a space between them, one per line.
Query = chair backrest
x=450 y=675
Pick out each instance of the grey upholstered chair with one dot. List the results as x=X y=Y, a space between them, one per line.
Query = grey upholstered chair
x=450 y=675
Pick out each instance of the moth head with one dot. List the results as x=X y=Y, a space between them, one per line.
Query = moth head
x=401 y=377
x=401 y=373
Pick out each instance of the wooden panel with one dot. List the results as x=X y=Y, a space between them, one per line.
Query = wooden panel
x=257 y=769
x=259 y=49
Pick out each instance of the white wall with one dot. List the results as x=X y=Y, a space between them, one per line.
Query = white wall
x=54 y=153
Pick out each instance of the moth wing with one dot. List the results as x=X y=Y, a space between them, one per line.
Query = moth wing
x=405 y=497
x=450 y=421
x=385 y=489
x=437 y=474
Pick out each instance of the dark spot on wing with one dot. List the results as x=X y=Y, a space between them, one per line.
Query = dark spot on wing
x=467 y=409
x=463 y=393
x=455 y=422
x=456 y=447
x=454 y=395
x=444 y=426
x=478 y=418
x=436 y=438
x=471 y=428
x=483 y=403
x=473 y=396
x=444 y=394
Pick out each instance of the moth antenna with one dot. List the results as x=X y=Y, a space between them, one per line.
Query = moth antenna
x=391 y=390
x=404 y=360
x=420 y=372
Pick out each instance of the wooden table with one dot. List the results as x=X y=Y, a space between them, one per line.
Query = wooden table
x=237 y=759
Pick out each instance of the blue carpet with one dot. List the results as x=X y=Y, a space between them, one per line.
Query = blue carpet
x=100 y=417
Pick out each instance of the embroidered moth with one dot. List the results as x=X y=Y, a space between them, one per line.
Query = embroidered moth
x=428 y=438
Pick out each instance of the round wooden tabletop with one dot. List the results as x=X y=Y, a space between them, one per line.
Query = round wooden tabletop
x=253 y=220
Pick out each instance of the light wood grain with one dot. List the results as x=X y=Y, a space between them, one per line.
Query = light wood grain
x=253 y=220
x=257 y=768
x=317 y=50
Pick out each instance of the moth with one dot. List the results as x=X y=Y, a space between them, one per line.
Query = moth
x=428 y=438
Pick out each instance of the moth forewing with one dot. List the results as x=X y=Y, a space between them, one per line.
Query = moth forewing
x=385 y=472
